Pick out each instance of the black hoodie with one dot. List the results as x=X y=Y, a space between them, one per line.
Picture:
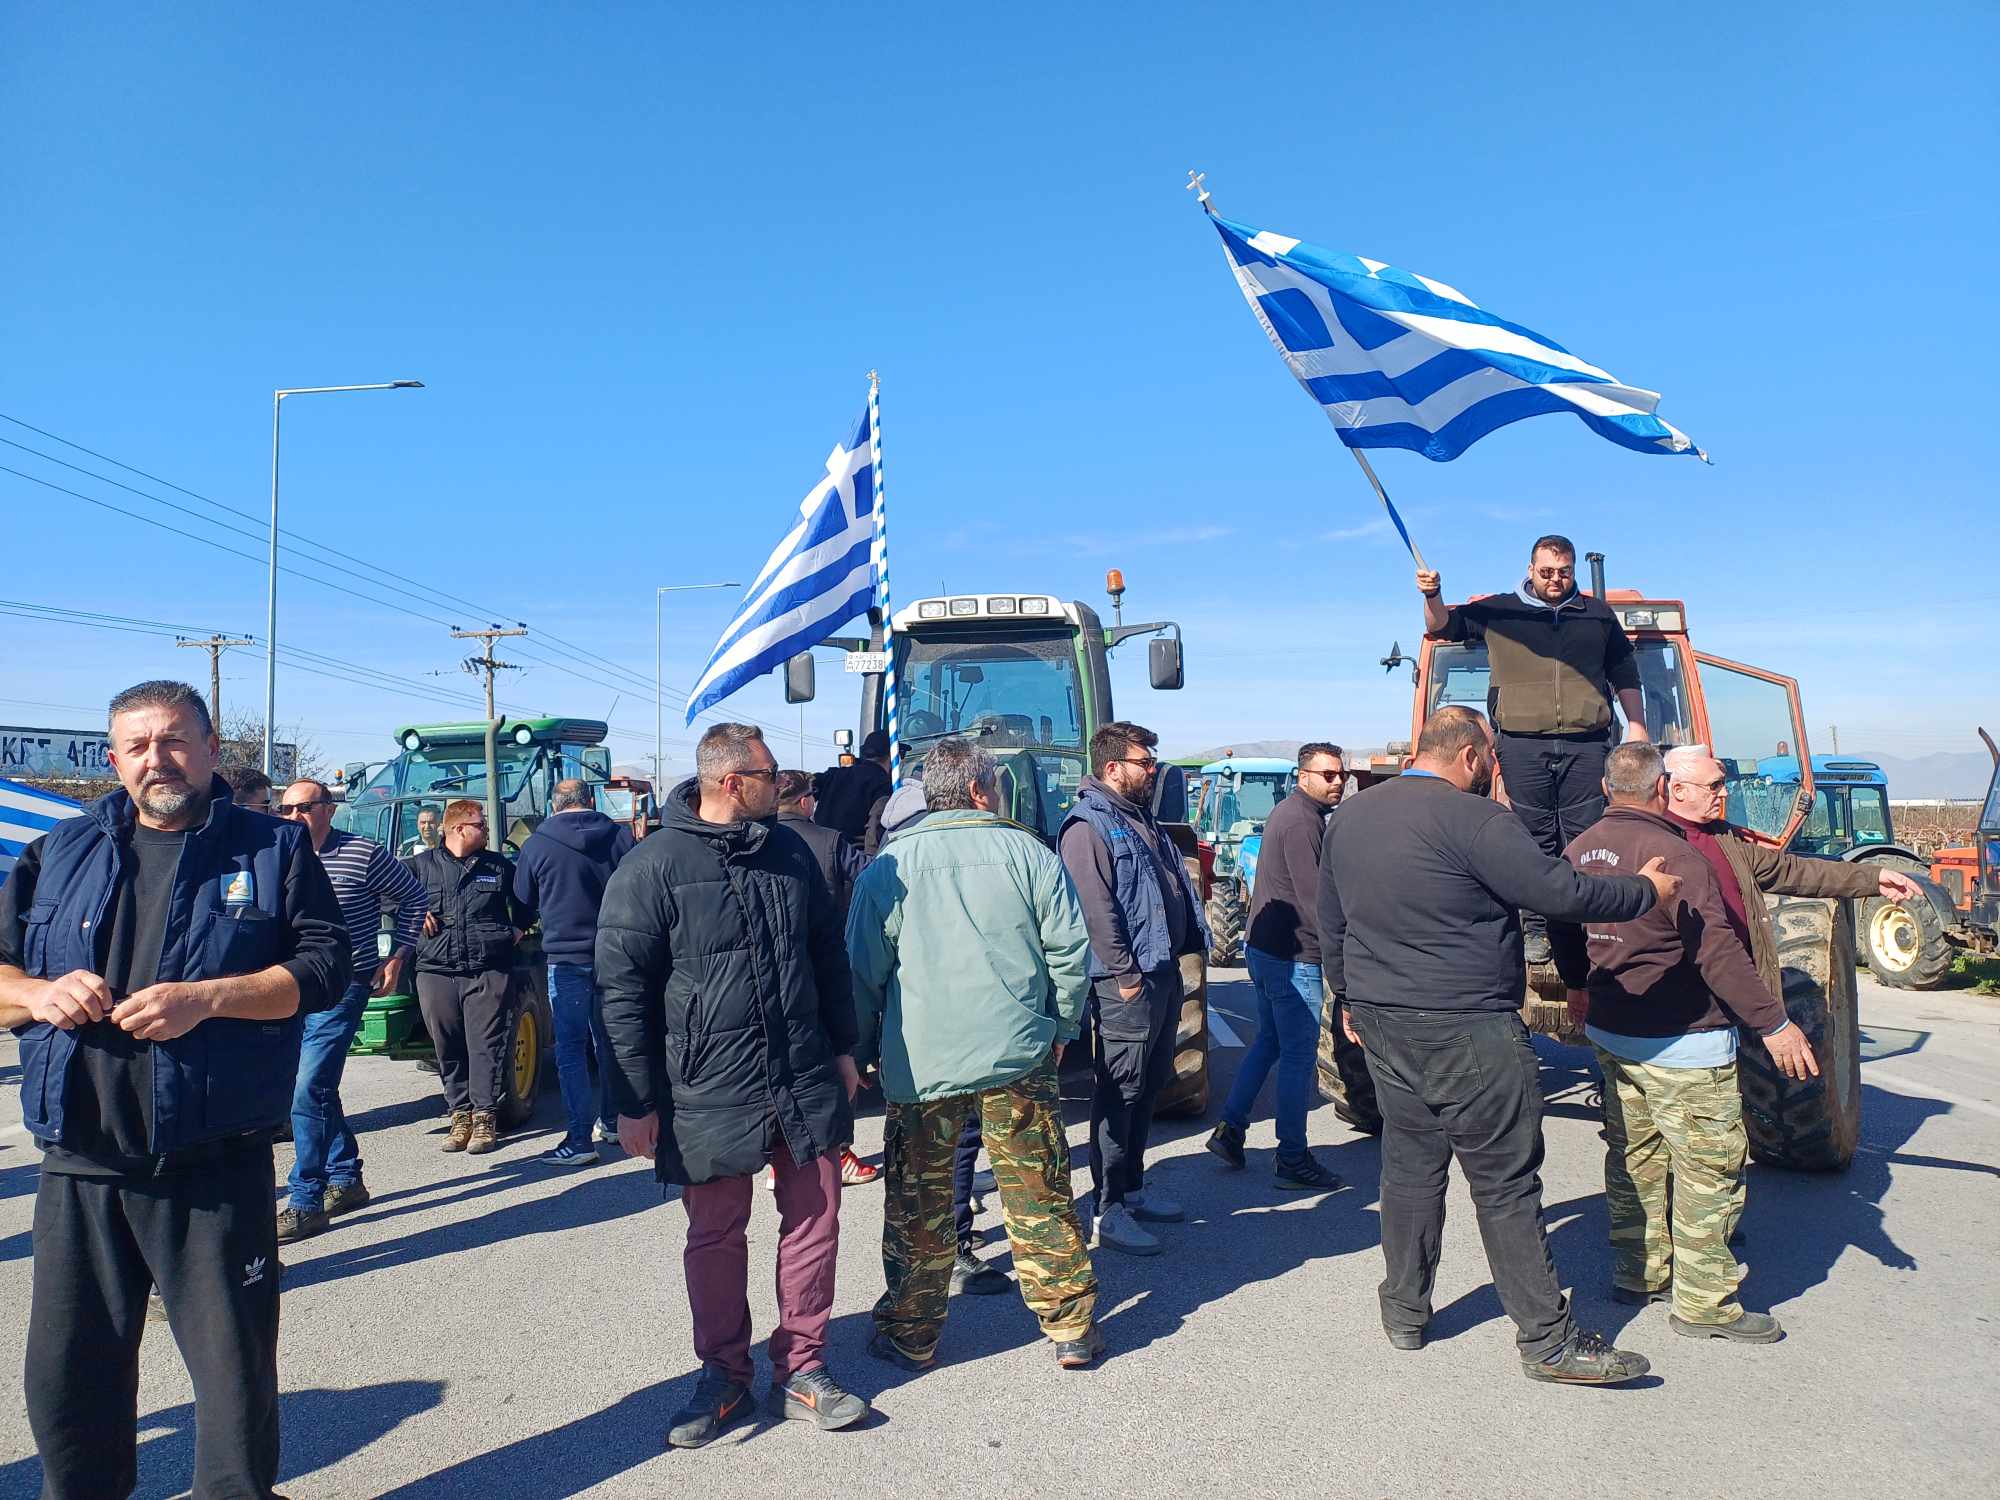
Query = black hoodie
x=561 y=876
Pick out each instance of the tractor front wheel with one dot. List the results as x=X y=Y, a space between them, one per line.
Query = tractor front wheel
x=1906 y=944
x=1812 y=1125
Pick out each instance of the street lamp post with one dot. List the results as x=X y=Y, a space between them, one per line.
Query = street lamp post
x=659 y=737
x=271 y=587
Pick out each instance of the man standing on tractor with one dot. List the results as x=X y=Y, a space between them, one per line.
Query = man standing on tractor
x=560 y=878
x=1556 y=656
x=730 y=1010
x=1283 y=954
x=464 y=965
x=1661 y=997
x=1142 y=915
x=326 y=1165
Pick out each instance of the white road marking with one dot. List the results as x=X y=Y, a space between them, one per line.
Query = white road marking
x=1902 y=1083
x=1221 y=1031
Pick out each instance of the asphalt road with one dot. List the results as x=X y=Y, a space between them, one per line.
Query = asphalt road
x=493 y=1328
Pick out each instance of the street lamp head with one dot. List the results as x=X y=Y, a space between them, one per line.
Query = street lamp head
x=406 y=385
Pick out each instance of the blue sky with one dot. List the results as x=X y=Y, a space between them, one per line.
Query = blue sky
x=644 y=256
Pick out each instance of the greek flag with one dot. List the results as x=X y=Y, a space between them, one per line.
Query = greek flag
x=820 y=577
x=1401 y=361
x=25 y=815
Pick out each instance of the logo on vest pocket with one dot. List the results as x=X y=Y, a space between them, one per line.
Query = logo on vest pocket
x=238 y=889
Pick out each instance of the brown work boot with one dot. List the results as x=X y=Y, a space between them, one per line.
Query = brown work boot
x=461 y=1130
x=485 y=1133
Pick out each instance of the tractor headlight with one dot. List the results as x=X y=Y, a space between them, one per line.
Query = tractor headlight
x=523 y=735
x=1000 y=606
x=965 y=606
x=931 y=609
x=1034 y=606
x=1641 y=619
x=413 y=741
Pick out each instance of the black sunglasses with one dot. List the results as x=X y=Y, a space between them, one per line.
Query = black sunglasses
x=286 y=809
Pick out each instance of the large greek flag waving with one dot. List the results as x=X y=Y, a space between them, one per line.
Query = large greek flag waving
x=1401 y=361
x=25 y=815
x=818 y=579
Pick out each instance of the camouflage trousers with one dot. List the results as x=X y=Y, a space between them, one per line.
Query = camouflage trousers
x=1029 y=1149
x=1673 y=1182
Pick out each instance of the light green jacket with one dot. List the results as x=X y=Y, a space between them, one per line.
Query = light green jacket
x=969 y=953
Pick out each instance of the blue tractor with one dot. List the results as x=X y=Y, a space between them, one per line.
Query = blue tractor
x=1233 y=797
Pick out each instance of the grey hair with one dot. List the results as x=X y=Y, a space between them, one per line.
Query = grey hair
x=163 y=693
x=726 y=748
x=569 y=794
x=1633 y=770
x=952 y=769
x=1681 y=757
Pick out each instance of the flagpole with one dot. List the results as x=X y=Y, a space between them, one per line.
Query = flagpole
x=882 y=605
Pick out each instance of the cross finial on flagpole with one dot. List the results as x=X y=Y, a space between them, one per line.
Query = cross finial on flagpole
x=1195 y=186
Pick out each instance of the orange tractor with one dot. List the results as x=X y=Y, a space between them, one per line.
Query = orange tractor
x=1970 y=873
x=1747 y=715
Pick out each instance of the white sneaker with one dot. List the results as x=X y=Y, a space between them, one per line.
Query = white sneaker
x=1117 y=1230
x=1155 y=1207
x=770 y=1179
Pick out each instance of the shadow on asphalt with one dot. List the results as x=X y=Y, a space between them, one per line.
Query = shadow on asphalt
x=319 y=1427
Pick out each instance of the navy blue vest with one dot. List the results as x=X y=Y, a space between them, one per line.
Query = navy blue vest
x=225 y=1076
x=1135 y=881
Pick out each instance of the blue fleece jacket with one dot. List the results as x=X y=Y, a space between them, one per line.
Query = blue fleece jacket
x=561 y=875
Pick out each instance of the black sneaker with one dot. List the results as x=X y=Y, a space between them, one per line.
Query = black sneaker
x=345 y=1197
x=719 y=1401
x=888 y=1350
x=815 y=1396
x=300 y=1224
x=1226 y=1141
x=971 y=1275
x=1304 y=1174
x=1081 y=1354
x=1405 y=1338
x=1631 y=1298
x=569 y=1154
x=1750 y=1328
x=1587 y=1360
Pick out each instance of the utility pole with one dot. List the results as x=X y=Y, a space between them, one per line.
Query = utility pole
x=215 y=645
x=1834 y=730
x=485 y=663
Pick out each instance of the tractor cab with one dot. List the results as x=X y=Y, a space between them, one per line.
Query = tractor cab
x=1850 y=810
x=1234 y=797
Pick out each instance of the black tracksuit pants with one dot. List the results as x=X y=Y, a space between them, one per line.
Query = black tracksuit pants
x=1134 y=1062
x=466 y=1015
x=1556 y=785
x=1462 y=1084
x=206 y=1235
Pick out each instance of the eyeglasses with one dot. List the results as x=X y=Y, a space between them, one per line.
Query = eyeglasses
x=292 y=809
x=1708 y=786
x=771 y=774
x=1125 y=760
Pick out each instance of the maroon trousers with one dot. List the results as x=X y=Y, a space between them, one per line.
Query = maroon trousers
x=717 y=1264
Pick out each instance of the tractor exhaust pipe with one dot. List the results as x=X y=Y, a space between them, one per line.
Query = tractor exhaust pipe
x=1596 y=561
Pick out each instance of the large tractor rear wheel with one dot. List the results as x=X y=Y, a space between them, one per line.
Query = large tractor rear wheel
x=1225 y=920
x=1814 y=1125
x=1186 y=1092
x=1343 y=1073
x=530 y=1043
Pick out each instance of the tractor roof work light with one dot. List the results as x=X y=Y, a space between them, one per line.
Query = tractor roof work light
x=964 y=607
x=999 y=606
x=523 y=735
x=931 y=609
x=1034 y=606
x=413 y=741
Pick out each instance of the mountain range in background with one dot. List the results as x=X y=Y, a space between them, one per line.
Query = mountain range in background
x=1955 y=775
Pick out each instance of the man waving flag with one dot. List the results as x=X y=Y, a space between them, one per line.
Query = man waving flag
x=820 y=577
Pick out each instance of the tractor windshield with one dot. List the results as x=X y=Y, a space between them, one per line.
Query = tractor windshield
x=386 y=808
x=1460 y=675
x=1843 y=818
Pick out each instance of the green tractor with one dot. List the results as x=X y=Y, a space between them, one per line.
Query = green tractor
x=512 y=765
x=1233 y=798
x=1027 y=675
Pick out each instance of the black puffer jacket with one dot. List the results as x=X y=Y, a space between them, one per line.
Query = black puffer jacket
x=726 y=996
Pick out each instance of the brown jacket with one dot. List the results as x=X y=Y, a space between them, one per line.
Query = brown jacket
x=1760 y=868
x=1678 y=968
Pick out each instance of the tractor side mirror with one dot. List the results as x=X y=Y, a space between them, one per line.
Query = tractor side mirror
x=1163 y=661
x=801 y=680
x=1170 y=799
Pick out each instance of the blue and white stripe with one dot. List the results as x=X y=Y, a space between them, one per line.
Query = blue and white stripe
x=819 y=578
x=882 y=605
x=1398 y=360
x=366 y=878
x=25 y=815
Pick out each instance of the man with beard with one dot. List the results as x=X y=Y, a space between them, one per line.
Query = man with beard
x=1422 y=880
x=157 y=955
x=1142 y=915
x=1557 y=656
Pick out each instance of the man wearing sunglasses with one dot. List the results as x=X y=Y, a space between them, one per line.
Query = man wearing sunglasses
x=326 y=1166
x=1557 y=657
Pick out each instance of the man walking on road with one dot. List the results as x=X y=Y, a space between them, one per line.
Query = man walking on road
x=1557 y=657
x=1421 y=884
x=971 y=970
x=1142 y=915
x=1663 y=995
x=326 y=1166
x=464 y=965
x=156 y=954
x=731 y=1016
x=1282 y=951
x=560 y=878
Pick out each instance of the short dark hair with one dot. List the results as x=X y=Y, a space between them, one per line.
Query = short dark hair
x=795 y=786
x=1562 y=546
x=162 y=692
x=723 y=749
x=1451 y=729
x=1116 y=741
x=243 y=780
x=1320 y=747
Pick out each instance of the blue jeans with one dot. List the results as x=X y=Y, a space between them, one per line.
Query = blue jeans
x=579 y=1032
x=326 y=1153
x=1288 y=1008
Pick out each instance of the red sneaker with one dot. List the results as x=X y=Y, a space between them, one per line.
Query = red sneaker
x=853 y=1169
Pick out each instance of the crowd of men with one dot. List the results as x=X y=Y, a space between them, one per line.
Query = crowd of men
x=186 y=974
